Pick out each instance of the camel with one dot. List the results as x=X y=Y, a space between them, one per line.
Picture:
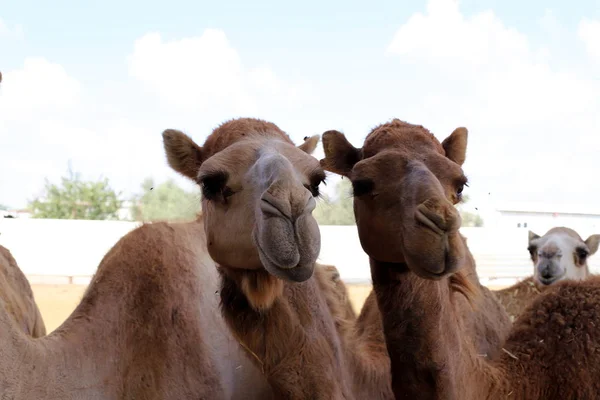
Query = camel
x=17 y=296
x=409 y=227
x=147 y=327
x=558 y=255
x=258 y=193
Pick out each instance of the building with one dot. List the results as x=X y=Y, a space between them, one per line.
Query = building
x=539 y=217
x=20 y=213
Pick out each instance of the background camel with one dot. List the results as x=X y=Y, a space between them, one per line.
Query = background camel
x=258 y=193
x=558 y=255
x=17 y=296
x=409 y=226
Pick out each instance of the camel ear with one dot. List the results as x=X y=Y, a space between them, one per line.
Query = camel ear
x=455 y=145
x=592 y=243
x=310 y=144
x=340 y=155
x=532 y=247
x=183 y=155
x=533 y=236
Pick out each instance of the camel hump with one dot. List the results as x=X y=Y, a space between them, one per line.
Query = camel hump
x=17 y=296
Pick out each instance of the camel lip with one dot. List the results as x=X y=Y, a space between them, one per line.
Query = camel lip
x=298 y=273
x=549 y=281
x=267 y=259
x=427 y=274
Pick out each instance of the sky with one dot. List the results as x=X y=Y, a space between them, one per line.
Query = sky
x=95 y=84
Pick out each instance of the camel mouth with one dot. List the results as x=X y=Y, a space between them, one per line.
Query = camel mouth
x=429 y=275
x=431 y=255
x=549 y=281
x=295 y=273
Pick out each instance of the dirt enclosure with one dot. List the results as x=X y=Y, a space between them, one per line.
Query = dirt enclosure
x=57 y=302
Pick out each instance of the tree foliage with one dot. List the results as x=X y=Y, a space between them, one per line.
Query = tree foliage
x=165 y=202
x=469 y=219
x=74 y=198
x=338 y=210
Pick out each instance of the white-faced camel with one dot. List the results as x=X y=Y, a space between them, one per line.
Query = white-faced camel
x=406 y=184
x=559 y=255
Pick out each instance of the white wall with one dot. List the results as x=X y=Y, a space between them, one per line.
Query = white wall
x=47 y=249
x=540 y=223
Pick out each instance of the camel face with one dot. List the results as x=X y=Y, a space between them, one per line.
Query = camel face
x=258 y=194
x=560 y=254
x=405 y=186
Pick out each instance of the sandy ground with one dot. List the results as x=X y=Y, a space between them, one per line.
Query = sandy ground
x=57 y=302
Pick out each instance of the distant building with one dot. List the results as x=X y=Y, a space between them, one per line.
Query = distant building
x=540 y=217
x=16 y=213
x=124 y=213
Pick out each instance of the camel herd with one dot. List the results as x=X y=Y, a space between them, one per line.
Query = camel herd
x=235 y=306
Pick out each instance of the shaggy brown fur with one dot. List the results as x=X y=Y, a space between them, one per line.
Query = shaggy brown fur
x=18 y=297
x=302 y=337
x=300 y=334
x=148 y=327
x=517 y=297
x=551 y=352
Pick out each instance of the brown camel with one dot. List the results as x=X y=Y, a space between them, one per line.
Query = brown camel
x=559 y=255
x=258 y=193
x=148 y=327
x=17 y=296
x=409 y=227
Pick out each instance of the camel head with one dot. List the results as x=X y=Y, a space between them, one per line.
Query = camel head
x=258 y=194
x=560 y=254
x=406 y=184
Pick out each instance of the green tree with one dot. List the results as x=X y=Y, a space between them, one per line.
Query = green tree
x=76 y=199
x=338 y=211
x=469 y=219
x=3 y=207
x=165 y=202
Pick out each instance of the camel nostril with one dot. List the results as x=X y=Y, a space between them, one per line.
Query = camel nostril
x=270 y=207
x=431 y=219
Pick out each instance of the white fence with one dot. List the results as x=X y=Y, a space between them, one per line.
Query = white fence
x=68 y=251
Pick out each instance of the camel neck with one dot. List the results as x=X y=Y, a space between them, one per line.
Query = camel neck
x=293 y=341
x=415 y=322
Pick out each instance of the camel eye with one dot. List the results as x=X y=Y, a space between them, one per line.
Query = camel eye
x=361 y=187
x=214 y=187
x=314 y=188
x=315 y=182
x=582 y=253
x=459 y=191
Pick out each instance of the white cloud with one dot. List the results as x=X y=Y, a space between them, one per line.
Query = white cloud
x=14 y=32
x=39 y=86
x=589 y=32
x=205 y=73
x=47 y=117
x=38 y=106
x=529 y=120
